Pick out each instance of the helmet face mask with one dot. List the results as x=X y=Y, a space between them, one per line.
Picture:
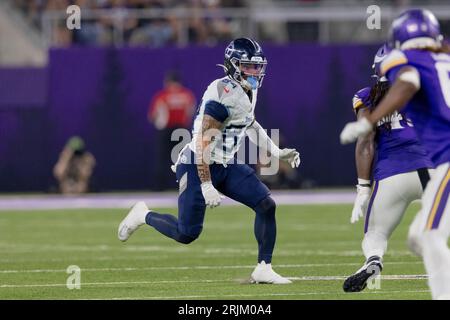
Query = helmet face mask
x=380 y=56
x=252 y=69
x=245 y=63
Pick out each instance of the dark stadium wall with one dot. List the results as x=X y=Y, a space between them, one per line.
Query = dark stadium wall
x=103 y=96
x=24 y=130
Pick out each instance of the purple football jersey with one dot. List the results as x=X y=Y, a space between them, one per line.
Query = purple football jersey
x=397 y=147
x=429 y=109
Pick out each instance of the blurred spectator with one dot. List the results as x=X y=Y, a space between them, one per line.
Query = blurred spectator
x=218 y=25
x=91 y=32
x=197 y=30
x=203 y=22
x=62 y=37
x=122 y=28
x=156 y=32
x=74 y=167
x=170 y=108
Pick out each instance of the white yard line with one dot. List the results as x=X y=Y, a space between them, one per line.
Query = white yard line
x=115 y=283
x=118 y=283
x=158 y=200
x=201 y=254
x=124 y=269
x=387 y=277
x=222 y=251
x=262 y=295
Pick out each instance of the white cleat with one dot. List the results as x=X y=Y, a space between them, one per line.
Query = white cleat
x=264 y=273
x=134 y=219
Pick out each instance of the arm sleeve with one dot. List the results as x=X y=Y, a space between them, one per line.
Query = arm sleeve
x=258 y=136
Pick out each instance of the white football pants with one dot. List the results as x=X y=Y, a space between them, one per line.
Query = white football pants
x=389 y=200
x=430 y=230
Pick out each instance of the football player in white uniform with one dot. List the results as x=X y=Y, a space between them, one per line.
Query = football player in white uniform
x=207 y=165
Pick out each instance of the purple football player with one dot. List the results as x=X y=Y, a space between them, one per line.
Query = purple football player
x=419 y=70
x=391 y=160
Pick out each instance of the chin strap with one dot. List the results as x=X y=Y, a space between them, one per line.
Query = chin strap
x=250 y=83
x=246 y=85
x=223 y=67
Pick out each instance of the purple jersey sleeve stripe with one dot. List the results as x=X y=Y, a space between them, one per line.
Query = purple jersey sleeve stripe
x=439 y=203
x=216 y=110
x=369 y=208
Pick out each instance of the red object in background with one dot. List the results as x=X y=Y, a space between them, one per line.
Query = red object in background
x=172 y=107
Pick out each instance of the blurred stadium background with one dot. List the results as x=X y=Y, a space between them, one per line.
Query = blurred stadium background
x=97 y=82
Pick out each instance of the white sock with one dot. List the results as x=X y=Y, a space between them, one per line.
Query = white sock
x=374 y=244
x=142 y=216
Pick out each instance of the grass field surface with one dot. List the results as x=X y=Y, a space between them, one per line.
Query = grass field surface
x=317 y=248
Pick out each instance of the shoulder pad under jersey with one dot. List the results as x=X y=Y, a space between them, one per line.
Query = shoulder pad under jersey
x=362 y=98
x=229 y=92
x=394 y=59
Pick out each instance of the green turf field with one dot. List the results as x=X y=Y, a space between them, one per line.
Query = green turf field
x=315 y=245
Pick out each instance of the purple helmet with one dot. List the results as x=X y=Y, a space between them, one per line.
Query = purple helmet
x=415 y=28
x=379 y=58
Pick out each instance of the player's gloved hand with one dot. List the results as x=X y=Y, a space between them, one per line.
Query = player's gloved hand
x=361 y=203
x=211 y=195
x=356 y=129
x=291 y=156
